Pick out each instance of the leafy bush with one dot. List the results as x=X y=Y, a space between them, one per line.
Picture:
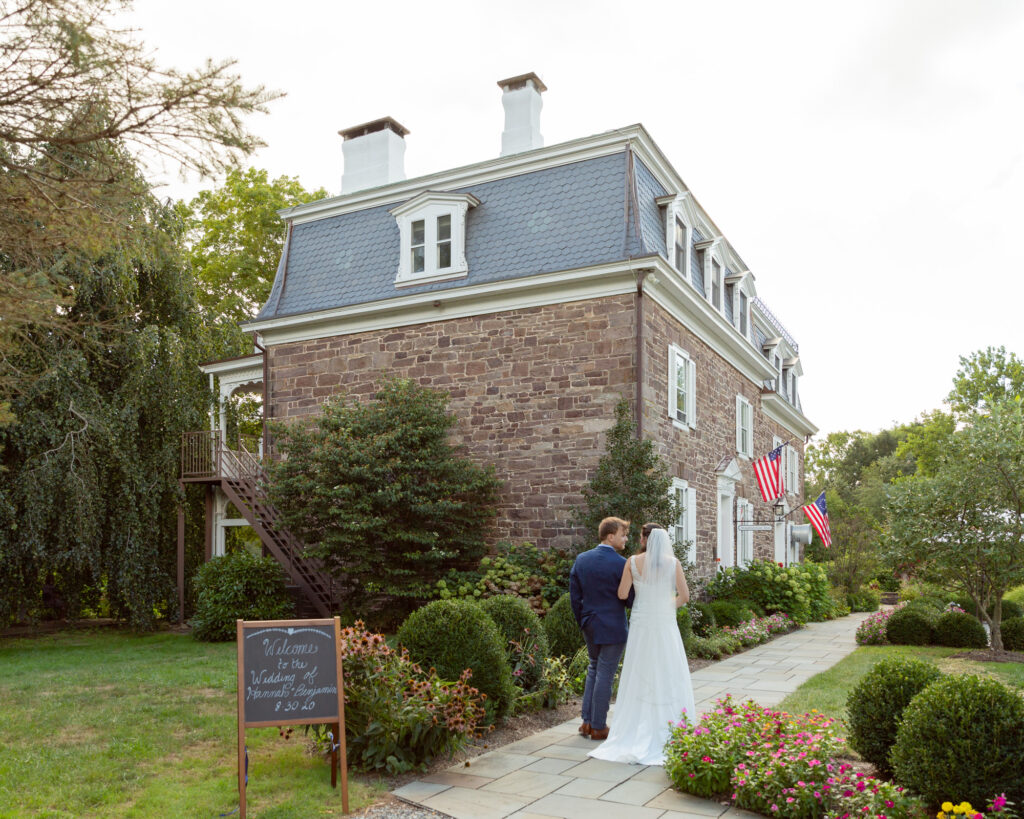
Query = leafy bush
x=397 y=717
x=453 y=635
x=888 y=581
x=876 y=704
x=727 y=613
x=1015 y=595
x=909 y=626
x=1012 y=631
x=564 y=635
x=756 y=609
x=578 y=670
x=526 y=644
x=539 y=576
x=914 y=589
x=863 y=600
x=959 y=629
x=685 y=624
x=1010 y=609
x=702 y=617
x=718 y=644
x=801 y=591
x=962 y=735
x=238 y=587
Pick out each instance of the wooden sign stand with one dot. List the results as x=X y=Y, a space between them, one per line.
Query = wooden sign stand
x=282 y=680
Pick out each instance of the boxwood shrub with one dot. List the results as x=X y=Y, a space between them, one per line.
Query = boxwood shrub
x=564 y=635
x=1009 y=609
x=911 y=626
x=727 y=613
x=863 y=600
x=453 y=635
x=962 y=735
x=961 y=630
x=523 y=634
x=685 y=623
x=234 y=587
x=876 y=704
x=1012 y=631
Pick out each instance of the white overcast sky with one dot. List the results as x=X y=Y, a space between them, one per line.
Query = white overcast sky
x=865 y=158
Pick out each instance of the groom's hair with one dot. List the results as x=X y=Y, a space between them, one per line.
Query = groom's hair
x=611 y=526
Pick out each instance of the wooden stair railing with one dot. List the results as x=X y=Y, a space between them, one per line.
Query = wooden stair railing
x=243 y=481
x=242 y=478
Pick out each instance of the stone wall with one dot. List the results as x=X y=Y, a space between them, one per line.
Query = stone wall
x=533 y=390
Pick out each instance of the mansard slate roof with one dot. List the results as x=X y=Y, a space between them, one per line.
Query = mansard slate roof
x=590 y=212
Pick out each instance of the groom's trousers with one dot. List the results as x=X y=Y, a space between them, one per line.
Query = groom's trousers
x=604 y=662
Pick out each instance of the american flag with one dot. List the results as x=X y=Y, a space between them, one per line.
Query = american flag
x=817 y=514
x=768 y=474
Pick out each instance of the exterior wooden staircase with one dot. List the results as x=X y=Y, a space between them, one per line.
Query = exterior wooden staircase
x=239 y=473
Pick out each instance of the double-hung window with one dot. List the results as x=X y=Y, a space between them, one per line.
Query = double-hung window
x=742 y=325
x=432 y=233
x=716 y=284
x=684 y=528
x=744 y=427
x=682 y=383
x=680 y=246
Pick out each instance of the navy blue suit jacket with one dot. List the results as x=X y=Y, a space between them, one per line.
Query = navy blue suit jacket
x=594 y=594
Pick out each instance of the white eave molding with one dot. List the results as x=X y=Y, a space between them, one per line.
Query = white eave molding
x=241 y=369
x=688 y=307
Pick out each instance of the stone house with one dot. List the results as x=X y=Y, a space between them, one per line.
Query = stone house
x=538 y=289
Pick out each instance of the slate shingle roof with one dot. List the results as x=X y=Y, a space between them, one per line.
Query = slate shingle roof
x=560 y=218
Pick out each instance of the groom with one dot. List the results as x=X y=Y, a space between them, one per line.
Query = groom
x=593 y=592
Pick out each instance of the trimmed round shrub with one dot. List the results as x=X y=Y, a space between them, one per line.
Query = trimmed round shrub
x=453 y=635
x=755 y=609
x=234 y=587
x=962 y=735
x=1012 y=631
x=524 y=636
x=909 y=626
x=877 y=702
x=564 y=635
x=703 y=622
x=727 y=612
x=960 y=630
x=863 y=600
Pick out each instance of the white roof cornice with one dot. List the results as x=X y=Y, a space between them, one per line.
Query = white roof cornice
x=781 y=411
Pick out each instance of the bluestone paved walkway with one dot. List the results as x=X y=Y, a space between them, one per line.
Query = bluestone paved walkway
x=550 y=775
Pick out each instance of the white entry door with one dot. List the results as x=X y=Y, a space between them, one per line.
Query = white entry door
x=726 y=544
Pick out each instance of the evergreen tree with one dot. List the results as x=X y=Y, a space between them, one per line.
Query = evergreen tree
x=631 y=482
x=377 y=492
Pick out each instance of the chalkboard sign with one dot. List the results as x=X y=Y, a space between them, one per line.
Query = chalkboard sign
x=289 y=672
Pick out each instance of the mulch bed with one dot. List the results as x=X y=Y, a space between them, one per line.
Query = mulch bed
x=990 y=655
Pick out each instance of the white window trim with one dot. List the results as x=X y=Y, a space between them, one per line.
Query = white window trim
x=747 y=452
x=428 y=206
x=688 y=518
x=676 y=210
x=777 y=442
x=674 y=354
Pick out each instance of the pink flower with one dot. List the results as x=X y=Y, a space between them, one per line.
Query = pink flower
x=999 y=802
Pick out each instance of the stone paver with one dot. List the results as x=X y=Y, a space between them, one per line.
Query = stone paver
x=550 y=775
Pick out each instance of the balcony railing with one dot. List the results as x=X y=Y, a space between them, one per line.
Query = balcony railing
x=776 y=324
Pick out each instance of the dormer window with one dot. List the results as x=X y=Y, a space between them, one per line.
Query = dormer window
x=716 y=284
x=680 y=246
x=432 y=232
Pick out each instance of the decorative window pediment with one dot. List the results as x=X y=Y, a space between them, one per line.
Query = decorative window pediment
x=432 y=232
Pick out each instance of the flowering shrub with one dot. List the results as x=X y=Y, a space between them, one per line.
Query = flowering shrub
x=801 y=590
x=721 y=642
x=872 y=631
x=716 y=645
x=777 y=764
x=398 y=717
x=997 y=806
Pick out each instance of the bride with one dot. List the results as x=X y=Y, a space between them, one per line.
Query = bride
x=655 y=687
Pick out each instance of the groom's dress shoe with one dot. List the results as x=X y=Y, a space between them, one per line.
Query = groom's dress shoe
x=602 y=734
x=585 y=729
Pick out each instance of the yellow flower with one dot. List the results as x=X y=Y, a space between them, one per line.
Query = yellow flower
x=940 y=815
x=965 y=807
x=947 y=806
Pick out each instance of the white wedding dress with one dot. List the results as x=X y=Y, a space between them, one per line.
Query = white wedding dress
x=655 y=686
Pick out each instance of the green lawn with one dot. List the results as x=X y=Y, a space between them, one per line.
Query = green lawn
x=827 y=692
x=110 y=723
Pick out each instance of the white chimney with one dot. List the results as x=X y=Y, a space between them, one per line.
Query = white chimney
x=522 y=103
x=374 y=154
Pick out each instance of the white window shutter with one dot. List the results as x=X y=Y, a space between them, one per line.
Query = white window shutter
x=671 y=383
x=691 y=522
x=691 y=394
